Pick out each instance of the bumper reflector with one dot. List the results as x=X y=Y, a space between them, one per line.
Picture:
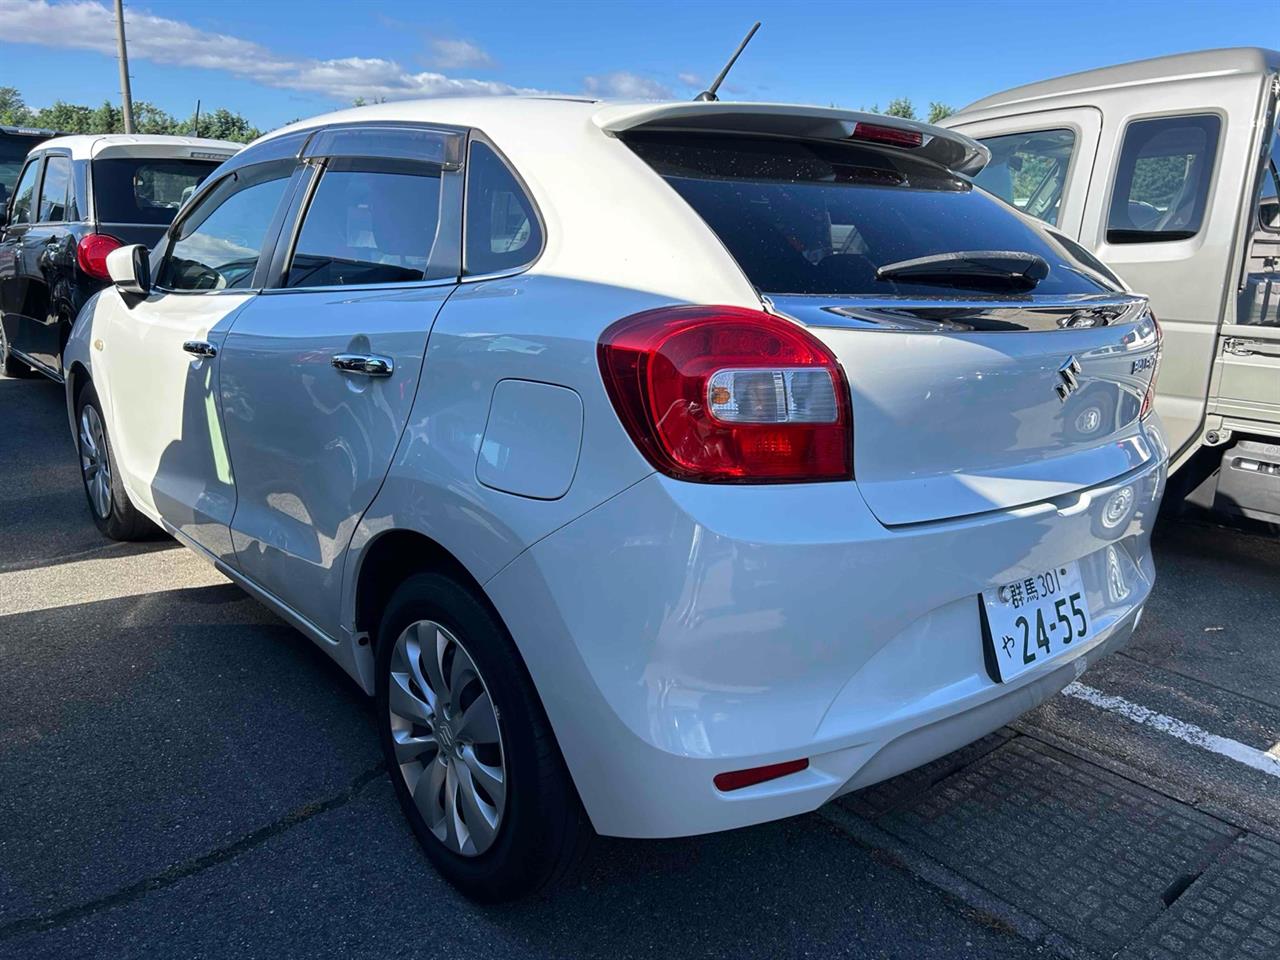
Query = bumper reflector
x=737 y=779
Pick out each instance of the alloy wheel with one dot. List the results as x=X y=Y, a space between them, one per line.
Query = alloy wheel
x=448 y=745
x=94 y=462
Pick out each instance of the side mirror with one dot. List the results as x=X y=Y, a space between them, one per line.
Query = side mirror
x=130 y=269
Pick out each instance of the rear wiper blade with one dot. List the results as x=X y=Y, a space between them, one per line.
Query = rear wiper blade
x=1011 y=268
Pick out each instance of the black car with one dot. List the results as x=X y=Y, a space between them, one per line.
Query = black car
x=15 y=144
x=75 y=200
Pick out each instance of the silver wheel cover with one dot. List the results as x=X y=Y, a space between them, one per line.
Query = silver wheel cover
x=95 y=466
x=447 y=743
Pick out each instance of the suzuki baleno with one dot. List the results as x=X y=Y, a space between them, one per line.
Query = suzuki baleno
x=659 y=468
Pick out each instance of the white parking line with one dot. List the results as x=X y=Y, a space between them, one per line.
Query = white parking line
x=103 y=578
x=1188 y=732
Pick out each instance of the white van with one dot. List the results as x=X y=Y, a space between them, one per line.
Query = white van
x=1168 y=170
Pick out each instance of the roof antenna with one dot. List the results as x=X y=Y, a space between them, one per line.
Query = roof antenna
x=710 y=92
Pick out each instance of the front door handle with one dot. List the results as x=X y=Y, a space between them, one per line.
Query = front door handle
x=200 y=348
x=367 y=364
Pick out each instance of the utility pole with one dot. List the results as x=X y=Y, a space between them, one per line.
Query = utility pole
x=126 y=95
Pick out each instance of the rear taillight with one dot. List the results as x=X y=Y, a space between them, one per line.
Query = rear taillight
x=1149 y=398
x=890 y=136
x=728 y=395
x=91 y=254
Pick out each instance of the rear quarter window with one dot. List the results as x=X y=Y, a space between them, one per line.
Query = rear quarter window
x=814 y=217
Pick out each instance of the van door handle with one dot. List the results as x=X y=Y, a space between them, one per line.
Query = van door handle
x=366 y=364
x=200 y=348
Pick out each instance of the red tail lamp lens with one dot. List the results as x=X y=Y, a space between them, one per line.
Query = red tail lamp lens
x=890 y=136
x=91 y=254
x=729 y=395
x=738 y=779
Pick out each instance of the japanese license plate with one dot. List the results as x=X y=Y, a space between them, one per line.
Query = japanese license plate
x=1035 y=619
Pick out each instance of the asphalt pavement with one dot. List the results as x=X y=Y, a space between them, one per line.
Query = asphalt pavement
x=183 y=775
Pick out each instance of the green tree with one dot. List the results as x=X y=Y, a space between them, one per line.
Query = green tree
x=67 y=117
x=13 y=111
x=222 y=124
x=901 y=107
x=939 y=111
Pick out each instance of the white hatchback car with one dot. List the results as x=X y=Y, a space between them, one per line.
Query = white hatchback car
x=661 y=468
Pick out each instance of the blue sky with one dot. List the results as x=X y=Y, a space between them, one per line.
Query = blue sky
x=276 y=60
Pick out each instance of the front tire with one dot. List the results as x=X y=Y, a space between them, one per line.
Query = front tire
x=109 y=503
x=471 y=754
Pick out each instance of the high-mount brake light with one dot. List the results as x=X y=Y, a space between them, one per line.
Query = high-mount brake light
x=890 y=136
x=1149 y=398
x=729 y=395
x=91 y=254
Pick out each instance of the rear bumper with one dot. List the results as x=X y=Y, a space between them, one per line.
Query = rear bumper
x=683 y=630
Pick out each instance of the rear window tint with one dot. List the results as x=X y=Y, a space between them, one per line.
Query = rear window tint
x=141 y=190
x=820 y=218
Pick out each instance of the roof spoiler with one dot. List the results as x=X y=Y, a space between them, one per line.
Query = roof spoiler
x=948 y=148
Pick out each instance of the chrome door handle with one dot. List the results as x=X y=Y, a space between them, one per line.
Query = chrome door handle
x=200 y=348
x=367 y=364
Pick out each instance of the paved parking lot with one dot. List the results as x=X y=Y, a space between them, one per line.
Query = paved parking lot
x=182 y=775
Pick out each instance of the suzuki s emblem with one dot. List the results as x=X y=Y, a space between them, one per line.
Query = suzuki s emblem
x=1068 y=378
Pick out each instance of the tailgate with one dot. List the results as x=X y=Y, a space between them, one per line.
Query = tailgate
x=964 y=407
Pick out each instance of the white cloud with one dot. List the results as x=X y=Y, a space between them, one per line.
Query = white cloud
x=690 y=79
x=456 y=54
x=628 y=86
x=87 y=25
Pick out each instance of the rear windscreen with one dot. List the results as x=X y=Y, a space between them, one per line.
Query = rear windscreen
x=141 y=190
x=814 y=217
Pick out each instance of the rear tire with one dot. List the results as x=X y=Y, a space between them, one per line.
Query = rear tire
x=524 y=827
x=13 y=367
x=109 y=504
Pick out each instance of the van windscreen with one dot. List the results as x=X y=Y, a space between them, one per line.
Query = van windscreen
x=817 y=217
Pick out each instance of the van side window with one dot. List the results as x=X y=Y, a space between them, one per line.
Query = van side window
x=24 y=194
x=1259 y=301
x=1162 y=181
x=217 y=246
x=55 y=190
x=502 y=228
x=1029 y=170
x=368 y=222
x=1269 y=191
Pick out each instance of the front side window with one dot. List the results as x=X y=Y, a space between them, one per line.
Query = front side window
x=1162 y=180
x=142 y=190
x=1029 y=170
x=368 y=222
x=217 y=246
x=25 y=194
x=55 y=190
x=502 y=229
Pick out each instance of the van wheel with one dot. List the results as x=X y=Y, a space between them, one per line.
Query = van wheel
x=109 y=504
x=471 y=754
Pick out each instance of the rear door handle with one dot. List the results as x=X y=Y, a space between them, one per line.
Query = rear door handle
x=200 y=348
x=366 y=364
